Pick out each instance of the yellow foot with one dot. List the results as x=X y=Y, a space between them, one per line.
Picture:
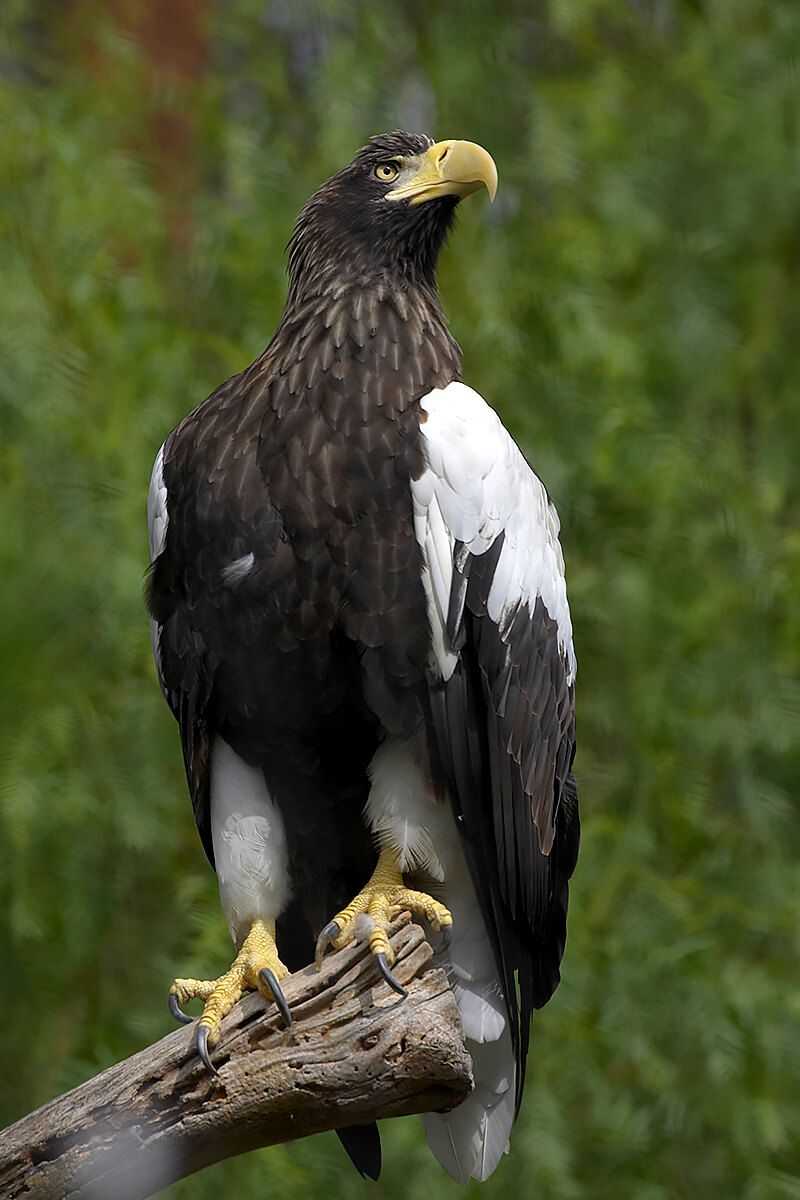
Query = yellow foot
x=256 y=968
x=382 y=899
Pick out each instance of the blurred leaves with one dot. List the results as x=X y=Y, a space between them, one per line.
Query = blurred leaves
x=631 y=305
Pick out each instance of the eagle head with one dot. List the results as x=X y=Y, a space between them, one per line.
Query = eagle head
x=388 y=212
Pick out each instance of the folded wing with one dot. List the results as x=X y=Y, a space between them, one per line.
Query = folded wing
x=502 y=674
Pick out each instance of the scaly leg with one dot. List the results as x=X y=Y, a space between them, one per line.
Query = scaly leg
x=382 y=899
x=256 y=967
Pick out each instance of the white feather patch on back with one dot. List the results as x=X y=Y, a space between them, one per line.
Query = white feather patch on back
x=249 y=838
x=478 y=485
x=234 y=572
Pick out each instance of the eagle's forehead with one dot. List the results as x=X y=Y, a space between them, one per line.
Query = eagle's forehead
x=396 y=142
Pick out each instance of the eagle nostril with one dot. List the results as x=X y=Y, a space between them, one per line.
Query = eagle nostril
x=442 y=156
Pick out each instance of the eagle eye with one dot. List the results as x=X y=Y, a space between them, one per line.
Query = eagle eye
x=387 y=171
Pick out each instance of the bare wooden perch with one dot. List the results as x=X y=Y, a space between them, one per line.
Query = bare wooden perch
x=355 y=1052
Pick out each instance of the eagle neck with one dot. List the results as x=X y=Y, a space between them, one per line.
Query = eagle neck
x=366 y=324
x=327 y=288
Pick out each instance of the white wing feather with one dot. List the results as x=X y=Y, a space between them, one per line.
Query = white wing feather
x=478 y=484
x=157 y=518
x=157 y=521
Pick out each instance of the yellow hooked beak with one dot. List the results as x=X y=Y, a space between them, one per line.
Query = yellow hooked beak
x=450 y=168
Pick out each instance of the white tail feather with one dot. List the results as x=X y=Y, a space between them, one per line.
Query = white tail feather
x=405 y=815
x=470 y=1140
x=483 y=1017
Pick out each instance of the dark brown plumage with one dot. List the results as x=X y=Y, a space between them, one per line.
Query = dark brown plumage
x=304 y=460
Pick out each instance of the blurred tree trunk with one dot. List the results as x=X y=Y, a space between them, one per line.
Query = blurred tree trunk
x=172 y=34
x=172 y=38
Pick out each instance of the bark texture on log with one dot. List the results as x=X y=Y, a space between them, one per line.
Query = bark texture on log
x=355 y=1052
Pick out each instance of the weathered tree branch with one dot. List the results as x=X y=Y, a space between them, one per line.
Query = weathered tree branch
x=355 y=1052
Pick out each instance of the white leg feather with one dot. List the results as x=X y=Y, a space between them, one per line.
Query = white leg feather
x=249 y=840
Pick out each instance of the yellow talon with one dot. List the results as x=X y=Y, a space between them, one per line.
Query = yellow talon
x=256 y=967
x=384 y=896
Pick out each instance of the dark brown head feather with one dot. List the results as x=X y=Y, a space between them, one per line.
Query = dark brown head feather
x=349 y=228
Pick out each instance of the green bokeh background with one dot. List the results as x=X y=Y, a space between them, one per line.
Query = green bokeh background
x=631 y=305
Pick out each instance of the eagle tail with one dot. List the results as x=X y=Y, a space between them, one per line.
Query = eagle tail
x=363 y=1145
x=469 y=1141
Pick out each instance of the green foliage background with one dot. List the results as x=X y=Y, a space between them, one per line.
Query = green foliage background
x=631 y=305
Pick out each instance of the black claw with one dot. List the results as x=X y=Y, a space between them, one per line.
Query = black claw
x=177 y=1011
x=383 y=967
x=201 y=1041
x=326 y=936
x=277 y=995
x=447 y=935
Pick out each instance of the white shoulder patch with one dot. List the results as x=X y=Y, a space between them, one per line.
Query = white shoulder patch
x=478 y=485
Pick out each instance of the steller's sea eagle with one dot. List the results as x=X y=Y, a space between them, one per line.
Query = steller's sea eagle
x=360 y=623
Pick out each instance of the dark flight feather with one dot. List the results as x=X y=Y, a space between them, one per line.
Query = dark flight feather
x=519 y=827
